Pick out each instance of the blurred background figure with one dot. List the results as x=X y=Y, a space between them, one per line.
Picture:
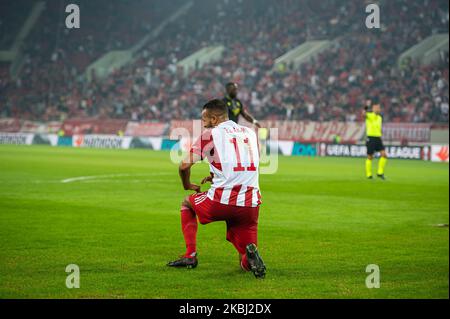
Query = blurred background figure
x=374 y=132
x=235 y=107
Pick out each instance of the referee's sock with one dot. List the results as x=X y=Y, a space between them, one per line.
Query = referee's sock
x=381 y=165
x=368 y=167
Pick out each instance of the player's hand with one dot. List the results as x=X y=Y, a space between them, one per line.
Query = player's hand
x=193 y=187
x=207 y=179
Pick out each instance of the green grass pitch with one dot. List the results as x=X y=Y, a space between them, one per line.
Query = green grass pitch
x=321 y=224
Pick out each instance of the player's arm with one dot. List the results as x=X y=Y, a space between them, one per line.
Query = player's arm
x=208 y=179
x=250 y=118
x=185 y=171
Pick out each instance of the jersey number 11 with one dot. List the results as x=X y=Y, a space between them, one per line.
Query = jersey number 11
x=239 y=167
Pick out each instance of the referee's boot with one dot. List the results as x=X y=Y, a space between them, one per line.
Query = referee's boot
x=381 y=176
x=185 y=262
x=255 y=261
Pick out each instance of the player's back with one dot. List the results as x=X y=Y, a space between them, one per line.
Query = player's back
x=235 y=179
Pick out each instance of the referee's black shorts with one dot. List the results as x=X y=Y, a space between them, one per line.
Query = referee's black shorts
x=374 y=144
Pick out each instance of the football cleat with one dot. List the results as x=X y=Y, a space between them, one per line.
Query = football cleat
x=255 y=261
x=370 y=177
x=381 y=176
x=185 y=262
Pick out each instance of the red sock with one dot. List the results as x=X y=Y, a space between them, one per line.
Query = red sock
x=189 y=227
x=244 y=263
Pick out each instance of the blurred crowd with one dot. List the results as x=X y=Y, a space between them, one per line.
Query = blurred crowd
x=11 y=23
x=360 y=64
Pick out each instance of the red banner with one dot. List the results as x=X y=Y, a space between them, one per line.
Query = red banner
x=312 y=132
x=89 y=126
x=37 y=127
x=10 y=125
x=182 y=124
x=408 y=132
x=146 y=129
x=300 y=131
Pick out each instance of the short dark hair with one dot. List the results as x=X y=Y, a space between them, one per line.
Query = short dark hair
x=229 y=84
x=217 y=106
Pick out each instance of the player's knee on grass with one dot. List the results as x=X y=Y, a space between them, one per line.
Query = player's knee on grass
x=383 y=154
x=370 y=157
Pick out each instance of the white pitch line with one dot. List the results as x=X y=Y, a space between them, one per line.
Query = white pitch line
x=84 y=178
x=128 y=181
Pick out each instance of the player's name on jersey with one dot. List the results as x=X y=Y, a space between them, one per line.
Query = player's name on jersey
x=235 y=130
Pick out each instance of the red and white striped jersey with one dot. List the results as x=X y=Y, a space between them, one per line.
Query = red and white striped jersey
x=233 y=155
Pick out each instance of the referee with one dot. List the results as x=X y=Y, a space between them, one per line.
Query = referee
x=374 y=125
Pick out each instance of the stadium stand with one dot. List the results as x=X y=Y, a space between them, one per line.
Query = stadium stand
x=11 y=23
x=359 y=64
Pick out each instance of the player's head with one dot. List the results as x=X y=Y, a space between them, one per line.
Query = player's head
x=214 y=112
x=232 y=89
